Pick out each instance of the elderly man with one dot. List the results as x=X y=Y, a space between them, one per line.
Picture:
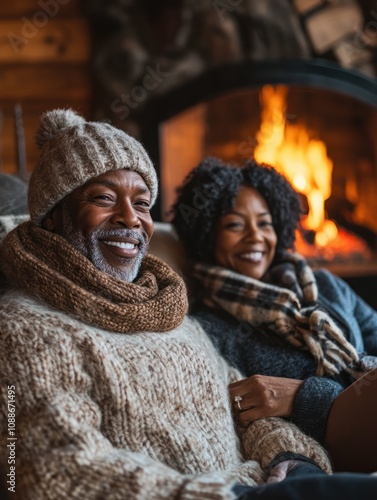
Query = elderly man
x=107 y=389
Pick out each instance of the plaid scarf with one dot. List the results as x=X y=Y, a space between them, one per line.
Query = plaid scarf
x=288 y=307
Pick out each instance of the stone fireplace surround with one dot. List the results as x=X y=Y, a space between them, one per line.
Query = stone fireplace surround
x=143 y=49
x=153 y=60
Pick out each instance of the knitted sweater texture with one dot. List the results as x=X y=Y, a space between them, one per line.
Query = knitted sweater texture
x=253 y=351
x=146 y=415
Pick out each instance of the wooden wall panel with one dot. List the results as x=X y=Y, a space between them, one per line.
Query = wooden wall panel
x=61 y=40
x=29 y=8
x=25 y=82
x=44 y=64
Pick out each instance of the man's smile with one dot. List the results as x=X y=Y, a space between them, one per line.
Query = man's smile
x=127 y=247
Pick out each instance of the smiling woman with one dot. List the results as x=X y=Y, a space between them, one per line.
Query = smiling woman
x=300 y=336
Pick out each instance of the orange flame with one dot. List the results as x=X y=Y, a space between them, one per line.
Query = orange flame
x=301 y=159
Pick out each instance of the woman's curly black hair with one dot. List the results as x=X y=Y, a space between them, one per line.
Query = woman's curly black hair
x=210 y=191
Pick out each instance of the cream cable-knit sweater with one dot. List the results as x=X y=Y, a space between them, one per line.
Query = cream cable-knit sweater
x=103 y=415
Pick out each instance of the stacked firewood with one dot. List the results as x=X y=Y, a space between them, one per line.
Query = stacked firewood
x=345 y=29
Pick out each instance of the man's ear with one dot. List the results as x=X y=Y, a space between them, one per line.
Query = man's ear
x=48 y=222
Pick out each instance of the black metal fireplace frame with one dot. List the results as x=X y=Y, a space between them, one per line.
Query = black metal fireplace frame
x=218 y=81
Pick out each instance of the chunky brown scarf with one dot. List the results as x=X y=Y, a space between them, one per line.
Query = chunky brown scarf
x=288 y=309
x=46 y=265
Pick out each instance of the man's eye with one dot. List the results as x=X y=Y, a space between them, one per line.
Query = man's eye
x=143 y=203
x=103 y=197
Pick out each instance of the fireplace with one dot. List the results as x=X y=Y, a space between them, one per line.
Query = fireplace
x=220 y=114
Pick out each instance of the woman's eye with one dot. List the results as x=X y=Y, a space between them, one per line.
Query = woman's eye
x=266 y=223
x=233 y=225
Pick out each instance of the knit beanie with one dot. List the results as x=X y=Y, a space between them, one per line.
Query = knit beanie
x=73 y=151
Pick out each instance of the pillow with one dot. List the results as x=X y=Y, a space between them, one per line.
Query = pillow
x=9 y=222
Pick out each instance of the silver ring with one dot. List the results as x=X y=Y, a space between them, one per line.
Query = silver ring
x=238 y=400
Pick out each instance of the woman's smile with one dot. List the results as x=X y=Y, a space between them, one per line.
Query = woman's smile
x=255 y=257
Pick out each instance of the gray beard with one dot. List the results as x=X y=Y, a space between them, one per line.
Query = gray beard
x=89 y=247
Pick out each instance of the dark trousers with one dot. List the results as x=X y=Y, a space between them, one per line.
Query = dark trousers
x=341 y=486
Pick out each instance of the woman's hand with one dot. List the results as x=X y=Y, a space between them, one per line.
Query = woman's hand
x=261 y=396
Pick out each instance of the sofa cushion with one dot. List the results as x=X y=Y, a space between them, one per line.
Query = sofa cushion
x=165 y=245
x=9 y=222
